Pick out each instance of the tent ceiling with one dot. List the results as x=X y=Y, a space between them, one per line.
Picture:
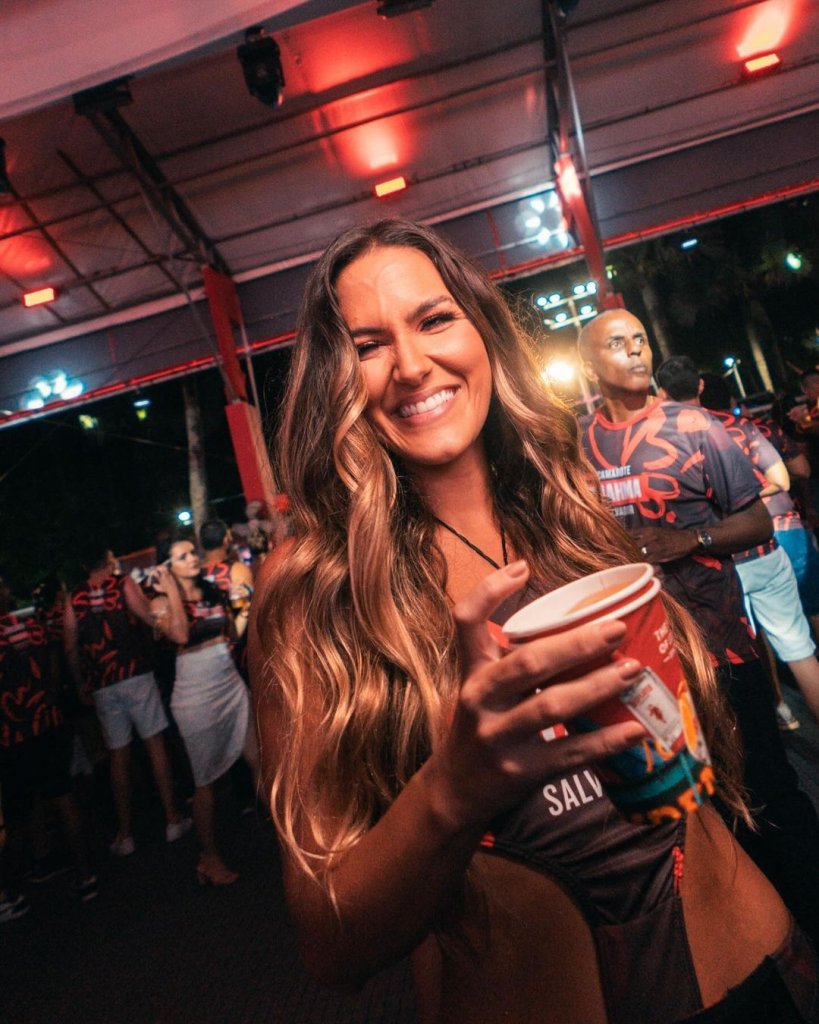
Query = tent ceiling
x=451 y=96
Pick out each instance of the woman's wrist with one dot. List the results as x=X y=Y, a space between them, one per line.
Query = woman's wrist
x=450 y=818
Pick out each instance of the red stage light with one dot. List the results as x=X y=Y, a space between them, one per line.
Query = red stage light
x=385 y=188
x=39 y=297
x=764 y=63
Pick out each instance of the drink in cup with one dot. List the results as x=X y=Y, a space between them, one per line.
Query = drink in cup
x=669 y=773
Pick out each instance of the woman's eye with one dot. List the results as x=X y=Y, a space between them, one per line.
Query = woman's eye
x=436 y=320
x=365 y=348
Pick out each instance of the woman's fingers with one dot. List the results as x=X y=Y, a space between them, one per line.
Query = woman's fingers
x=533 y=664
x=574 y=751
x=561 y=702
x=472 y=612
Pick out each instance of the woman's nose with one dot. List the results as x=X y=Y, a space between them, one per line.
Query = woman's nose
x=412 y=362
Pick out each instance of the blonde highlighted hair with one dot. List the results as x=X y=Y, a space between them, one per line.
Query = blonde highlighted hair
x=362 y=663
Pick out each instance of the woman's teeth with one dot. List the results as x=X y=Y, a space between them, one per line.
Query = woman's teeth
x=414 y=408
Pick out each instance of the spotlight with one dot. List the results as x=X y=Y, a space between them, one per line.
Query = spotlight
x=262 y=66
x=6 y=193
x=558 y=371
x=39 y=297
x=386 y=188
x=102 y=99
x=689 y=243
x=761 y=65
x=184 y=516
x=793 y=261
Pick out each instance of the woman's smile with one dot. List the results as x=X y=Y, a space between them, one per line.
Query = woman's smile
x=422 y=408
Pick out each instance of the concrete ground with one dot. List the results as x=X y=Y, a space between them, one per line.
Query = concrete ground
x=154 y=948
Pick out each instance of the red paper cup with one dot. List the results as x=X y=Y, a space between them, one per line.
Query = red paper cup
x=668 y=774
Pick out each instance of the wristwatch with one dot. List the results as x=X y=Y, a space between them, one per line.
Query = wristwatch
x=704 y=540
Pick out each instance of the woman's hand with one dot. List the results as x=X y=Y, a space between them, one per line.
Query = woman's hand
x=494 y=753
x=161 y=579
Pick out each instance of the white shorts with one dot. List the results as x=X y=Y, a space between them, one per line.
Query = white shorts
x=133 y=703
x=772 y=602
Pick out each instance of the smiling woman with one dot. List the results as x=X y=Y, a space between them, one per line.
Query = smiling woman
x=423 y=362
x=421 y=808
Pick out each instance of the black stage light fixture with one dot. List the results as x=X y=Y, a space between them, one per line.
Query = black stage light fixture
x=105 y=97
x=6 y=192
x=262 y=66
x=392 y=8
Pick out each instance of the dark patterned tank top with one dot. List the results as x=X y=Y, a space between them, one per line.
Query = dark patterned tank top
x=114 y=644
x=207 y=619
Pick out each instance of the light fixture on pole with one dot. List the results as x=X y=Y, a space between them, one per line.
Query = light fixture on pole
x=731 y=364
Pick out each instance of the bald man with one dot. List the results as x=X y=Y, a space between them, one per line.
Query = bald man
x=690 y=498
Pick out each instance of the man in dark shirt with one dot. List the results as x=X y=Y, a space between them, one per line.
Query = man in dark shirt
x=690 y=499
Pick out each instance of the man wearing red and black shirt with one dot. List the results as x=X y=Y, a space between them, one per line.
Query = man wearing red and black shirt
x=35 y=752
x=690 y=499
x=108 y=650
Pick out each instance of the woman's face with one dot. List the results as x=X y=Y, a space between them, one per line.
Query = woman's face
x=184 y=560
x=428 y=377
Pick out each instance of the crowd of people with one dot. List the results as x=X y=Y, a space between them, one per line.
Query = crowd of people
x=114 y=656
x=436 y=486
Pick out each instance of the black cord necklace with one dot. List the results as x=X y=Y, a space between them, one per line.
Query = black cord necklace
x=474 y=547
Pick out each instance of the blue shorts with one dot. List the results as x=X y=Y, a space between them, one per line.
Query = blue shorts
x=133 y=703
x=772 y=602
x=800 y=546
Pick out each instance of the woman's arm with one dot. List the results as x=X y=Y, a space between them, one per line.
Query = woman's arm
x=167 y=609
x=393 y=884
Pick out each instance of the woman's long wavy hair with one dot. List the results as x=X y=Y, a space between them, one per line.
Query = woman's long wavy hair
x=362 y=662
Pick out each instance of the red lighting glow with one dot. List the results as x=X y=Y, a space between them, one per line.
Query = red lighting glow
x=23 y=256
x=765 y=63
x=567 y=180
x=39 y=297
x=766 y=29
x=386 y=188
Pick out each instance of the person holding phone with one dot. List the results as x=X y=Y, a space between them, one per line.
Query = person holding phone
x=209 y=702
x=435 y=485
x=106 y=633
